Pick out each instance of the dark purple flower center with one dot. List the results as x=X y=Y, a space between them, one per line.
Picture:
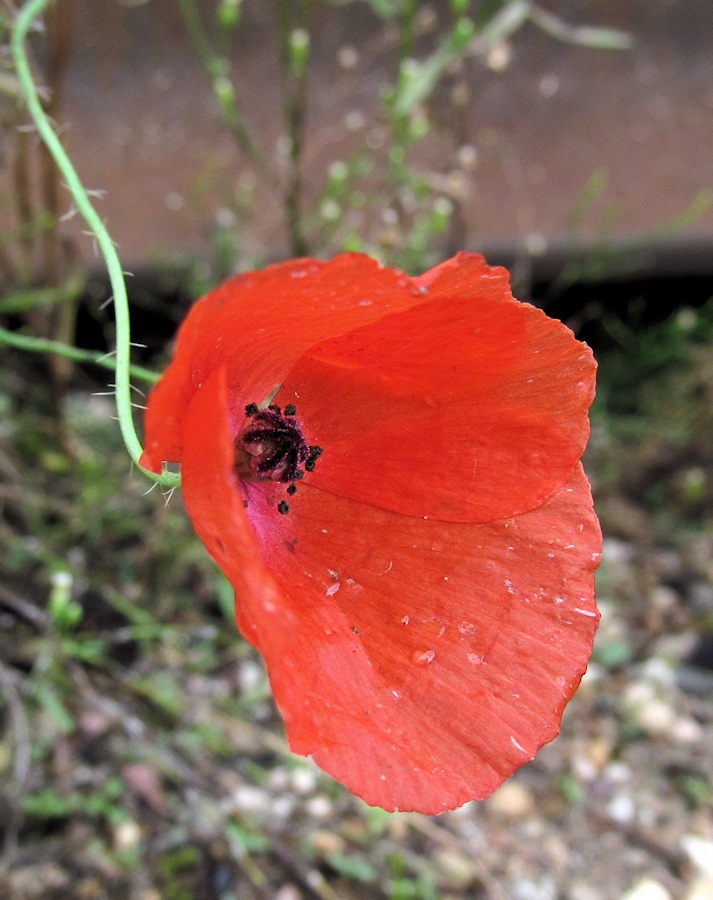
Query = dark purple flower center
x=272 y=447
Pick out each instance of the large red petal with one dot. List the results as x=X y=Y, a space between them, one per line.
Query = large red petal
x=431 y=659
x=258 y=324
x=468 y=407
x=419 y=662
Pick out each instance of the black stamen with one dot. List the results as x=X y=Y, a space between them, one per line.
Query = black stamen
x=291 y=489
x=283 y=507
x=272 y=446
x=312 y=457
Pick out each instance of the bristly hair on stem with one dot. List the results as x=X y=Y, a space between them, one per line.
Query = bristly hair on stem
x=25 y=18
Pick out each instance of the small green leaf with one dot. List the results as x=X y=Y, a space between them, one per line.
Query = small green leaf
x=352 y=867
x=228 y=14
x=246 y=841
x=47 y=804
x=55 y=709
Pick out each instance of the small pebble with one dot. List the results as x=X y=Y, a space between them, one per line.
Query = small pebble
x=656 y=718
x=512 y=800
x=251 y=799
x=288 y=892
x=319 y=807
x=581 y=891
x=621 y=809
x=127 y=835
x=687 y=731
x=659 y=672
x=459 y=867
x=326 y=842
x=530 y=889
x=617 y=773
x=304 y=780
x=664 y=598
x=699 y=889
x=250 y=675
x=283 y=806
x=599 y=752
x=647 y=889
x=638 y=694
x=700 y=853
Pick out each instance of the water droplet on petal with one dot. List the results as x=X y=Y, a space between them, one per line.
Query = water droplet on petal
x=423 y=657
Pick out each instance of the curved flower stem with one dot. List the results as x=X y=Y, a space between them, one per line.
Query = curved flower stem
x=25 y=17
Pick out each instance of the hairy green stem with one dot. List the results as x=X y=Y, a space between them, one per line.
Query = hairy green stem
x=45 y=345
x=25 y=17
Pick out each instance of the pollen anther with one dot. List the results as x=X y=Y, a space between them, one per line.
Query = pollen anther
x=272 y=446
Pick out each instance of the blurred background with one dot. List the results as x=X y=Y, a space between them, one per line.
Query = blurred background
x=140 y=754
x=517 y=129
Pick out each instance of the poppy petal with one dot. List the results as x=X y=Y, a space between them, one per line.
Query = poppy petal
x=258 y=324
x=211 y=492
x=432 y=659
x=466 y=408
x=466 y=273
x=419 y=662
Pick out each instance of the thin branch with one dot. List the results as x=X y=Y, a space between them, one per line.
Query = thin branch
x=45 y=345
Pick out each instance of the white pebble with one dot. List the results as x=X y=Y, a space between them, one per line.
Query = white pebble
x=304 y=781
x=700 y=853
x=647 y=889
x=700 y=889
x=319 y=807
x=687 y=731
x=656 y=718
x=621 y=809
x=617 y=773
x=250 y=799
x=512 y=800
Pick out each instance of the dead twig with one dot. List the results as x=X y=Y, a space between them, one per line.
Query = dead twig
x=23 y=608
x=12 y=685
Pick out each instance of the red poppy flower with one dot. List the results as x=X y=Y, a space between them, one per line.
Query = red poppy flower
x=407 y=526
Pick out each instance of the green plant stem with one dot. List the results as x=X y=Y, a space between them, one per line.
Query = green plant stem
x=218 y=67
x=25 y=17
x=399 y=119
x=294 y=16
x=44 y=345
